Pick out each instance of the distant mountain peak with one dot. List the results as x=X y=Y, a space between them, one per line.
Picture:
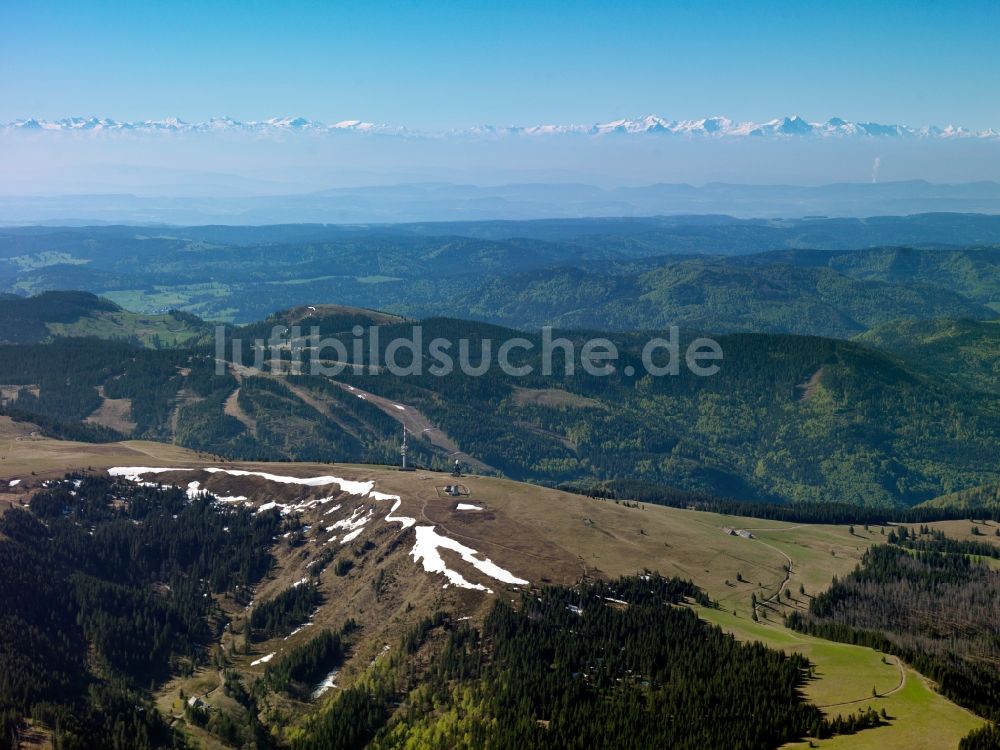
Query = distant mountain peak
x=717 y=126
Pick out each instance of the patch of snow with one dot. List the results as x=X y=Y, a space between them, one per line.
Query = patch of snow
x=404 y=520
x=400 y=407
x=347 y=485
x=326 y=684
x=14 y=482
x=231 y=499
x=352 y=487
x=426 y=551
x=299 y=507
x=356 y=521
x=133 y=473
x=299 y=629
x=467 y=506
x=350 y=537
x=299 y=583
x=262 y=660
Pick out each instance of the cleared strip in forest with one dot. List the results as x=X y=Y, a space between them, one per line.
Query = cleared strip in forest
x=417 y=424
x=232 y=408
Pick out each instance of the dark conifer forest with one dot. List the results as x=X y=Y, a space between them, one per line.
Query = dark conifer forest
x=614 y=664
x=107 y=590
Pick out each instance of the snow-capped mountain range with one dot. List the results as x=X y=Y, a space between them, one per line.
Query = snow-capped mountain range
x=709 y=127
x=214 y=125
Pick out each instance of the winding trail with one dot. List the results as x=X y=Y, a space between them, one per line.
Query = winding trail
x=776 y=596
x=899 y=686
x=775 y=528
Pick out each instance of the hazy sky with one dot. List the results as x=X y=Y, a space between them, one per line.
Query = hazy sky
x=441 y=65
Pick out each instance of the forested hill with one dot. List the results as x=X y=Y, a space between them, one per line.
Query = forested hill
x=717 y=295
x=987 y=496
x=788 y=418
x=973 y=271
x=26 y=320
x=965 y=351
x=826 y=277
x=54 y=314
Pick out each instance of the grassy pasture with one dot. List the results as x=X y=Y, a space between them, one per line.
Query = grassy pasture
x=549 y=536
x=159 y=330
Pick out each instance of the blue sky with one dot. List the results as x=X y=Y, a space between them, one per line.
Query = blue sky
x=438 y=65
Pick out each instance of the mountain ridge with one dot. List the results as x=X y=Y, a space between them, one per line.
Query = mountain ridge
x=651 y=124
x=788 y=418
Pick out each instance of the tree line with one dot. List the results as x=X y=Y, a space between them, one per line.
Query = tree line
x=936 y=610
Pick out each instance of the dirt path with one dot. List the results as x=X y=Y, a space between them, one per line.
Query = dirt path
x=776 y=599
x=778 y=528
x=776 y=596
x=899 y=686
